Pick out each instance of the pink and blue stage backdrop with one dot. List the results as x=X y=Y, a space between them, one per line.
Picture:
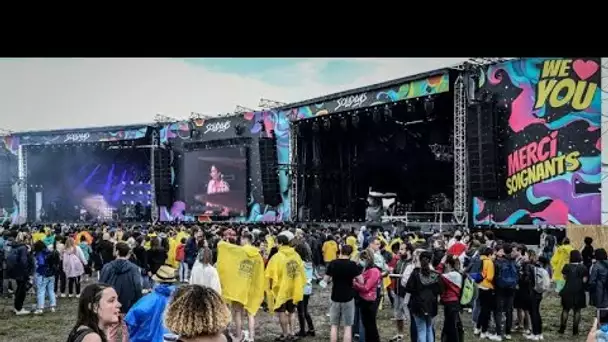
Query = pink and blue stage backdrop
x=243 y=130
x=552 y=134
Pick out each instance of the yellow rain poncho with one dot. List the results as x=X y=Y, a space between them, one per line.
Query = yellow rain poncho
x=241 y=272
x=286 y=278
x=352 y=241
x=38 y=236
x=559 y=260
x=171 y=253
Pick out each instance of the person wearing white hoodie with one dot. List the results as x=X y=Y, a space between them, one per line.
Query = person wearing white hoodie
x=203 y=273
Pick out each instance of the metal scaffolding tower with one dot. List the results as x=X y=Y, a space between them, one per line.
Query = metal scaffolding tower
x=22 y=195
x=460 y=153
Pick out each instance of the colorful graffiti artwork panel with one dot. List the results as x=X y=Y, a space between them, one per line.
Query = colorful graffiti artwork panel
x=553 y=149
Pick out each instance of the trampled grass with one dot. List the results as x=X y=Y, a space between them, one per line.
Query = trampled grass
x=55 y=326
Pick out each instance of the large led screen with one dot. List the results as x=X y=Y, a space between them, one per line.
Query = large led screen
x=74 y=180
x=215 y=181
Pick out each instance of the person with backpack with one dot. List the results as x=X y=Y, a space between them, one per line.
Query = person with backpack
x=598 y=280
x=19 y=266
x=539 y=282
x=424 y=287
x=452 y=281
x=507 y=279
x=48 y=263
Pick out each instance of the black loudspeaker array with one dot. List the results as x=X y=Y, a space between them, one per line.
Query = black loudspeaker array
x=269 y=171
x=484 y=139
x=6 y=182
x=162 y=177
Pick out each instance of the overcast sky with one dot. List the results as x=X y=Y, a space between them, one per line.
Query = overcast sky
x=67 y=93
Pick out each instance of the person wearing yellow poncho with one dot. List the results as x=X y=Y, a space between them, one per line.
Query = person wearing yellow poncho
x=329 y=250
x=245 y=286
x=558 y=261
x=182 y=234
x=286 y=280
x=171 y=253
x=38 y=236
x=351 y=240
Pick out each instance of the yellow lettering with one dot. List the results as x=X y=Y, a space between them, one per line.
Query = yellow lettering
x=549 y=167
x=510 y=190
x=560 y=164
x=551 y=68
x=554 y=99
x=540 y=173
x=572 y=162
x=544 y=89
x=578 y=103
x=565 y=68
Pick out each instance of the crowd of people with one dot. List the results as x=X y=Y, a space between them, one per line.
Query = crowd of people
x=208 y=282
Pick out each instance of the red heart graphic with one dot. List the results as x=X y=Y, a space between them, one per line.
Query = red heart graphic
x=583 y=69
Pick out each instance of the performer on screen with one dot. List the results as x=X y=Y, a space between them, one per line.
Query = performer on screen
x=216 y=185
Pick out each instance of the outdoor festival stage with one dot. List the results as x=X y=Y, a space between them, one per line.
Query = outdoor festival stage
x=486 y=143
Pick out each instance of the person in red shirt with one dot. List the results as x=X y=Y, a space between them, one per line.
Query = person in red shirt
x=180 y=256
x=457 y=247
x=451 y=279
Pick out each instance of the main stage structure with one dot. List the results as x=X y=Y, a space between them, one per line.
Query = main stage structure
x=490 y=142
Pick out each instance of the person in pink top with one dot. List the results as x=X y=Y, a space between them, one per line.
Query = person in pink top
x=366 y=285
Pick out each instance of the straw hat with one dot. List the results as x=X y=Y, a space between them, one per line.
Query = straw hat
x=165 y=274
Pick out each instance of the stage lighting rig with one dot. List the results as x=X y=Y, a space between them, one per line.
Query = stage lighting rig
x=241 y=109
x=270 y=104
x=199 y=116
x=160 y=118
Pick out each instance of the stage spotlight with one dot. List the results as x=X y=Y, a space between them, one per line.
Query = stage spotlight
x=132 y=193
x=429 y=105
x=132 y=182
x=149 y=192
x=355 y=120
x=149 y=202
x=124 y=192
x=132 y=202
x=344 y=123
x=388 y=112
x=376 y=115
x=141 y=192
x=140 y=182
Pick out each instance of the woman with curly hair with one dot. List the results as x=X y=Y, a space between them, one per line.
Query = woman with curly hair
x=197 y=313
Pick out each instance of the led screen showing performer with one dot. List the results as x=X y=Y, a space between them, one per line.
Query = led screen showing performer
x=215 y=181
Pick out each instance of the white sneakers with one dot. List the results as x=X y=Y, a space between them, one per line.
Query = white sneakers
x=22 y=312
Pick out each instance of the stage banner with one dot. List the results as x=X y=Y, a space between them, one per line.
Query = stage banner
x=13 y=142
x=412 y=89
x=553 y=146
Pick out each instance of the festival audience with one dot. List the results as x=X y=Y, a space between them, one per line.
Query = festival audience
x=276 y=268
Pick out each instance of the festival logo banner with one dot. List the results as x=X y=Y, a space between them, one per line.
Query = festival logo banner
x=552 y=133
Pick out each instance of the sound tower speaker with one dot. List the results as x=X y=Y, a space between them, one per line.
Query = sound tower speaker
x=6 y=195
x=484 y=141
x=269 y=171
x=162 y=177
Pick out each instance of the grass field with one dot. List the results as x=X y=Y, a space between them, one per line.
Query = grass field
x=55 y=326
